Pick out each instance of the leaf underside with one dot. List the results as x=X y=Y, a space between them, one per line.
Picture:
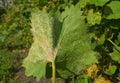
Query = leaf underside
x=72 y=47
x=41 y=50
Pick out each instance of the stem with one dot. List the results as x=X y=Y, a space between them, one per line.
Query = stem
x=117 y=47
x=53 y=71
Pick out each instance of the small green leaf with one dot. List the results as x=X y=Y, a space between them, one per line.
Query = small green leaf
x=117 y=41
x=93 y=18
x=115 y=7
x=101 y=40
x=83 y=3
x=115 y=24
x=82 y=79
x=111 y=70
x=115 y=55
x=98 y=2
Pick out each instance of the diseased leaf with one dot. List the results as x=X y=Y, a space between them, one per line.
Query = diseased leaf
x=115 y=55
x=115 y=7
x=41 y=50
x=98 y=2
x=71 y=45
x=93 y=18
x=74 y=50
x=64 y=14
x=36 y=69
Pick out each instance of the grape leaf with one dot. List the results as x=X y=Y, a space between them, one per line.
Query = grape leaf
x=102 y=39
x=115 y=6
x=74 y=50
x=82 y=79
x=72 y=44
x=41 y=50
x=115 y=55
x=111 y=70
x=93 y=18
x=114 y=24
x=98 y=2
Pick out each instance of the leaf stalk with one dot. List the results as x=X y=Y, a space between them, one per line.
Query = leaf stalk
x=53 y=71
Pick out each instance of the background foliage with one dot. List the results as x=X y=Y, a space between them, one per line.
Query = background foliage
x=101 y=16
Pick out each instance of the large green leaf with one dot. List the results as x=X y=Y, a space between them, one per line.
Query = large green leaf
x=115 y=7
x=74 y=50
x=41 y=50
x=71 y=45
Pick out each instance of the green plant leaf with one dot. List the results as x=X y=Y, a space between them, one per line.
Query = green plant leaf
x=74 y=49
x=3 y=36
x=83 y=3
x=82 y=79
x=71 y=45
x=93 y=18
x=98 y=2
x=115 y=6
x=111 y=70
x=115 y=55
x=101 y=40
x=41 y=50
